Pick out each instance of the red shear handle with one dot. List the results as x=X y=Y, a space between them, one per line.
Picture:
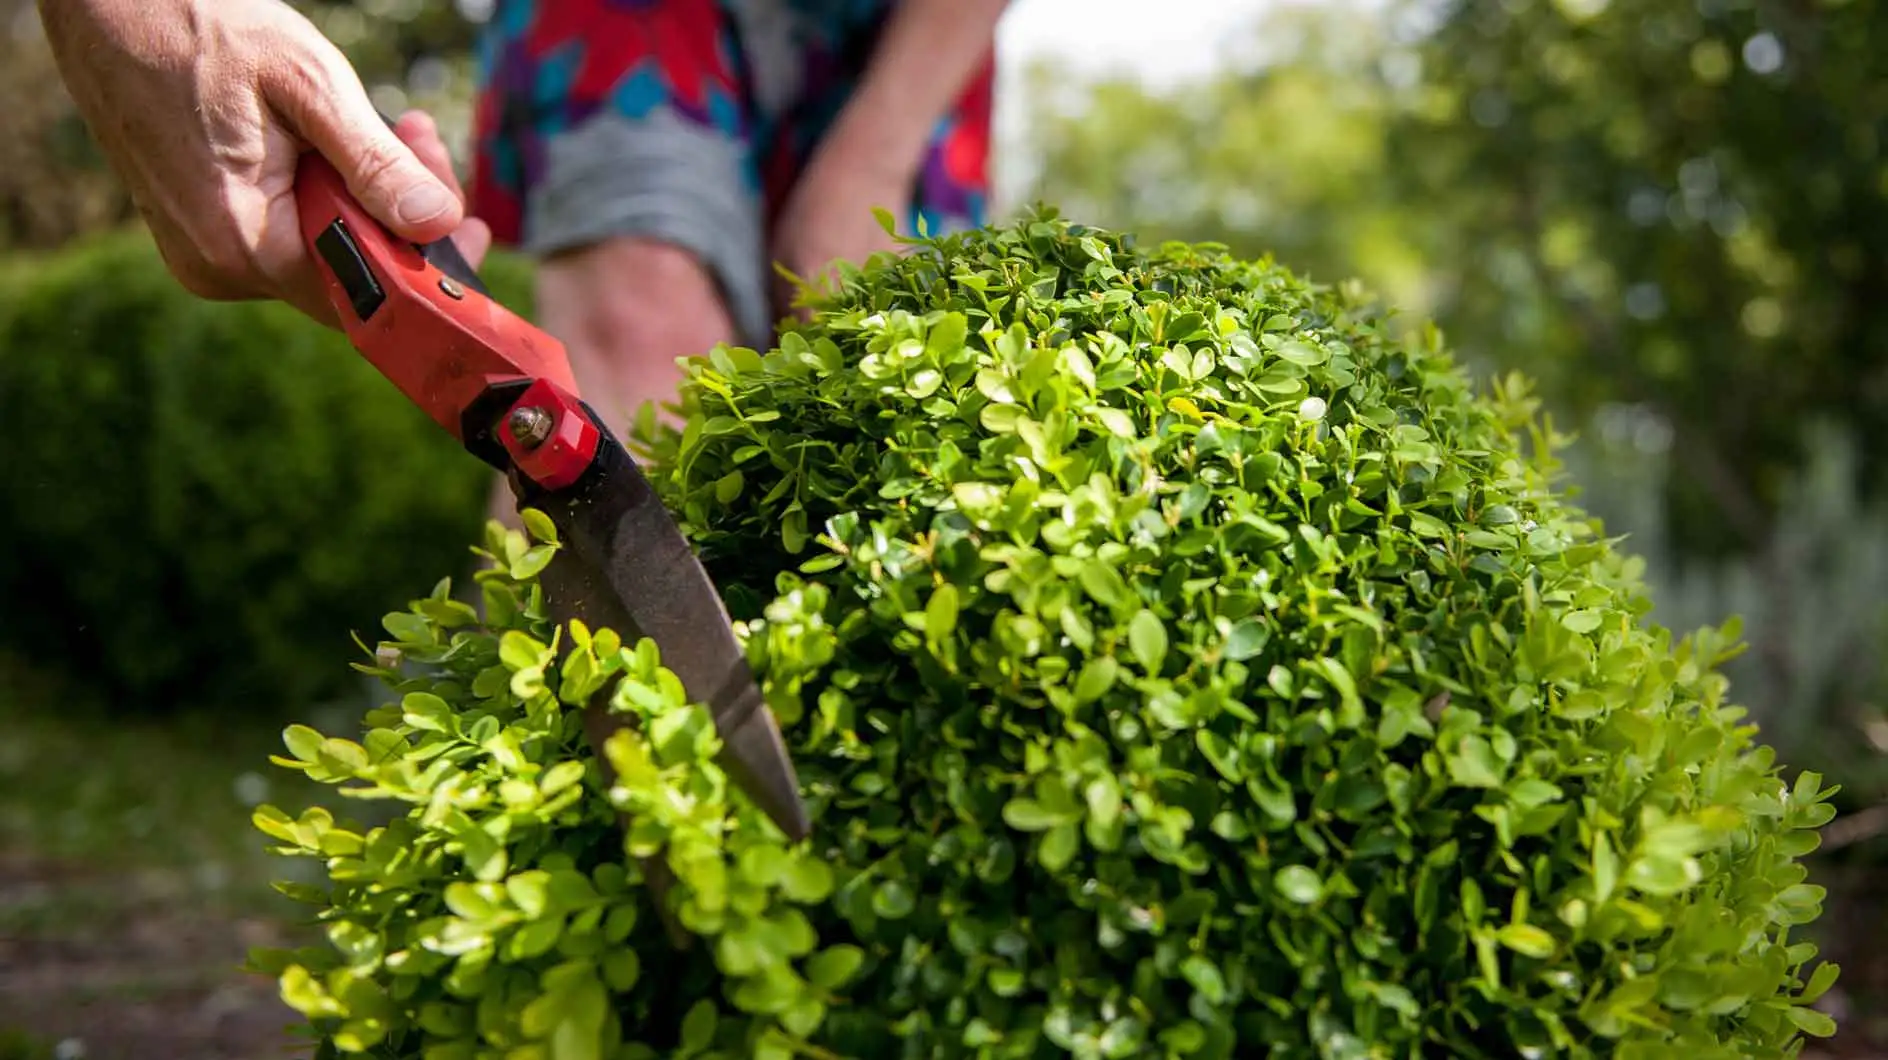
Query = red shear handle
x=502 y=387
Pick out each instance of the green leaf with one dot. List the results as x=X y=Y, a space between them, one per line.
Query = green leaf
x=1028 y=815
x=533 y=561
x=529 y=891
x=1058 y=847
x=560 y=776
x=793 y=530
x=944 y=342
x=807 y=880
x=1097 y=677
x=1247 y=639
x=303 y=742
x=535 y=939
x=622 y=968
x=1527 y=940
x=1819 y=983
x=1583 y=621
x=1221 y=753
x=1147 y=639
x=426 y=711
x=539 y=526
x=1105 y=585
x=698 y=1027
x=763 y=865
x=1115 y=421
x=834 y=966
x=1475 y=764
x=1205 y=977
x=519 y=651
x=940 y=615
x=469 y=901
x=1811 y=1022
x=1299 y=884
x=1605 y=867
x=893 y=900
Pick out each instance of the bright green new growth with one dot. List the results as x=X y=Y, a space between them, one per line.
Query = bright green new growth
x=1176 y=665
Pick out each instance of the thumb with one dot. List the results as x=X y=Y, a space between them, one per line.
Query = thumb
x=334 y=115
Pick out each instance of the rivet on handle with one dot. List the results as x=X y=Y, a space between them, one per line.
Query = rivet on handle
x=530 y=426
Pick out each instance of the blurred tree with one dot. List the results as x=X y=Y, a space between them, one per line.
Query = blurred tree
x=1674 y=204
x=387 y=39
x=410 y=53
x=53 y=184
x=1670 y=212
x=1285 y=155
x=1676 y=210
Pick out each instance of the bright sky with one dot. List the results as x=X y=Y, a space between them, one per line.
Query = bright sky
x=1160 y=42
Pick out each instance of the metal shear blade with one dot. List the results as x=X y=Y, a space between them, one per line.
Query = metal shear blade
x=505 y=390
x=629 y=568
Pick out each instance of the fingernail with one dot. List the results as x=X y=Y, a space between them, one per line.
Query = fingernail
x=422 y=202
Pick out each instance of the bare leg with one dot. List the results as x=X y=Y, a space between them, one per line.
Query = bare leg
x=625 y=309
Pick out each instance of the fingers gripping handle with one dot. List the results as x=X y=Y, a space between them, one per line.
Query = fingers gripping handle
x=450 y=348
x=444 y=253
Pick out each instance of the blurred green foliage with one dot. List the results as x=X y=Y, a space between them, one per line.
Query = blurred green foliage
x=1665 y=210
x=1677 y=204
x=53 y=181
x=1288 y=159
x=54 y=184
x=387 y=39
x=208 y=498
x=411 y=53
x=18 y=1045
x=1675 y=208
x=1659 y=203
x=1668 y=211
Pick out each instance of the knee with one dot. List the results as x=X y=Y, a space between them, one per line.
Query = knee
x=633 y=298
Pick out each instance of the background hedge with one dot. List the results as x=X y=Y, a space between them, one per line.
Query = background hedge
x=207 y=498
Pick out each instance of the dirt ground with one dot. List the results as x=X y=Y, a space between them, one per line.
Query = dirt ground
x=97 y=966
x=132 y=886
x=131 y=967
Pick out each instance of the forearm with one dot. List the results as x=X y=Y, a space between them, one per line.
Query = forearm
x=927 y=53
x=76 y=26
x=93 y=40
x=204 y=109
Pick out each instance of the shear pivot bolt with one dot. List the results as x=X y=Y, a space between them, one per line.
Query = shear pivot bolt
x=451 y=287
x=530 y=426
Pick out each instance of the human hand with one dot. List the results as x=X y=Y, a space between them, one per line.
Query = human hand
x=203 y=107
x=828 y=216
x=871 y=156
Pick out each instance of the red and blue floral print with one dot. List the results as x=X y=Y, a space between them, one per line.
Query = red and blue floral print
x=768 y=76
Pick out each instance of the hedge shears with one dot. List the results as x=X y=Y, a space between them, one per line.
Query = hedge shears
x=505 y=390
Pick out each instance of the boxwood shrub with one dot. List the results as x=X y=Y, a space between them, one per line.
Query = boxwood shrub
x=1179 y=664
x=205 y=498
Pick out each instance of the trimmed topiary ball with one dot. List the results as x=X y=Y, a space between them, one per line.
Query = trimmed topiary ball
x=1177 y=664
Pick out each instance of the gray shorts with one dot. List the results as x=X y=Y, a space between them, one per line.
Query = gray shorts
x=658 y=177
x=689 y=129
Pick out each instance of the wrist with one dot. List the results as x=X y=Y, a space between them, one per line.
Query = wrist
x=77 y=29
x=874 y=136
